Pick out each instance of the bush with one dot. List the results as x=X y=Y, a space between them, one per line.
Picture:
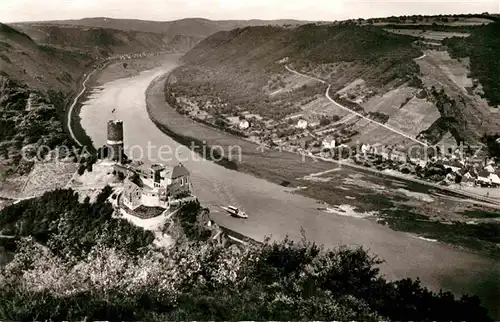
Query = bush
x=274 y=281
x=81 y=263
x=60 y=221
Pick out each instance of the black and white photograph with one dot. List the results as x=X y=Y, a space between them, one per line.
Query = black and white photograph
x=264 y=160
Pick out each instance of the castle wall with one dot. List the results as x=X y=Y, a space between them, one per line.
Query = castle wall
x=152 y=200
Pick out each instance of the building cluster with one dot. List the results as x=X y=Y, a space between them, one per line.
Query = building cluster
x=483 y=174
x=155 y=185
x=324 y=136
x=456 y=167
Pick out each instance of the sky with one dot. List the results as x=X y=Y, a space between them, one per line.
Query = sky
x=163 y=10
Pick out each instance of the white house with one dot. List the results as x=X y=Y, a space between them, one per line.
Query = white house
x=302 y=124
x=244 y=124
x=495 y=180
x=483 y=177
x=328 y=143
x=490 y=168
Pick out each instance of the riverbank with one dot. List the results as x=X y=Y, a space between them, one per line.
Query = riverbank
x=275 y=212
x=274 y=166
x=93 y=79
x=393 y=201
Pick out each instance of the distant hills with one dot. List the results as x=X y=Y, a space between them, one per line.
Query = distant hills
x=101 y=42
x=238 y=65
x=196 y=27
x=43 y=63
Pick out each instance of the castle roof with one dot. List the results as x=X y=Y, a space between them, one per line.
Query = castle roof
x=179 y=171
x=157 y=167
x=136 y=180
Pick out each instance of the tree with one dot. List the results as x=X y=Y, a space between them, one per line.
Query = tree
x=82 y=263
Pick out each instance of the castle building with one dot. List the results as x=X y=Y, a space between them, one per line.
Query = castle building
x=115 y=140
x=154 y=186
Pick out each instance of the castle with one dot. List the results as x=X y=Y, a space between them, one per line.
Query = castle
x=155 y=185
x=149 y=186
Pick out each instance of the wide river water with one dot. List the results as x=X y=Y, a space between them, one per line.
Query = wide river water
x=275 y=212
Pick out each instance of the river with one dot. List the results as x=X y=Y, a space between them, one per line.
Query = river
x=273 y=211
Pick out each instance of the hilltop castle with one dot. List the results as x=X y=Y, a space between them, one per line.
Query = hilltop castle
x=156 y=185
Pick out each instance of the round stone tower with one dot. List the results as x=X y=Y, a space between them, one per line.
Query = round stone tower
x=115 y=140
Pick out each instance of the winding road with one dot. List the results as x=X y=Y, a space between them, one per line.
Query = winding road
x=486 y=201
x=327 y=94
x=72 y=107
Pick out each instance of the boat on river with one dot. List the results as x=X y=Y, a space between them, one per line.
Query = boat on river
x=235 y=212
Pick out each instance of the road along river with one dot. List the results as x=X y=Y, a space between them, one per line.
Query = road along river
x=272 y=210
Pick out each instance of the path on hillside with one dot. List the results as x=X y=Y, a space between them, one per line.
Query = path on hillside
x=327 y=94
x=421 y=57
x=72 y=107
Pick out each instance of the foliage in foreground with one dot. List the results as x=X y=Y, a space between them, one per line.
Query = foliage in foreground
x=66 y=226
x=279 y=281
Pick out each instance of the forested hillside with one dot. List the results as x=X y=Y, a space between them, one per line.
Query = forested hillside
x=41 y=69
x=78 y=262
x=237 y=65
x=106 y=41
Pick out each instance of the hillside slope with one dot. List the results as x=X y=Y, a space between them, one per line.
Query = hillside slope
x=196 y=27
x=41 y=68
x=371 y=71
x=243 y=71
x=106 y=41
x=36 y=81
x=246 y=58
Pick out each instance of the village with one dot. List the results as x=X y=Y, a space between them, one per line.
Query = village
x=326 y=137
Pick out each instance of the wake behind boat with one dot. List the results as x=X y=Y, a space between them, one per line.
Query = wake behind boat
x=235 y=212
